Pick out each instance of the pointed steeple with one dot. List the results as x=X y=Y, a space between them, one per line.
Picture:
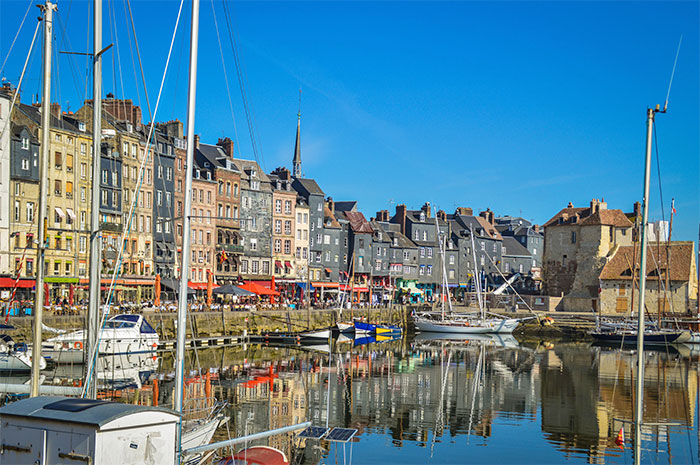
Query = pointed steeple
x=296 y=161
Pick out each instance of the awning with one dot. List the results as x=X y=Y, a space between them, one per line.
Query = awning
x=345 y=287
x=303 y=285
x=21 y=284
x=287 y=265
x=199 y=286
x=71 y=214
x=278 y=264
x=258 y=289
x=328 y=270
x=325 y=285
x=59 y=212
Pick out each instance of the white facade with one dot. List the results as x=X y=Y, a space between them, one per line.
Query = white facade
x=5 y=138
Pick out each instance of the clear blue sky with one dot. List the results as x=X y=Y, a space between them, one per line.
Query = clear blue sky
x=517 y=106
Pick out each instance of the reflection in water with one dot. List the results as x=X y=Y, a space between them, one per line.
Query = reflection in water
x=452 y=401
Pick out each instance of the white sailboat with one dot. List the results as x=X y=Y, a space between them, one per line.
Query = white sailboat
x=463 y=323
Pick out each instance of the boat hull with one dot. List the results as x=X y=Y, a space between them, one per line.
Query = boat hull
x=504 y=326
x=652 y=338
x=18 y=361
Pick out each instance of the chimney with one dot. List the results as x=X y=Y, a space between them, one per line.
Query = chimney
x=536 y=227
x=426 y=209
x=56 y=110
x=570 y=205
x=488 y=215
x=227 y=144
x=637 y=210
x=401 y=217
x=595 y=206
x=331 y=204
x=383 y=215
x=196 y=141
x=441 y=215
x=465 y=211
x=10 y=92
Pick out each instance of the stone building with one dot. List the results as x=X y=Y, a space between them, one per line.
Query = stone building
x=578 y=243
x=203 y=224
x=284 y=200
x=256 y=221
x=301 y=241
x=67 y=196
x=314 y=199
x=381 y=284
x=5 y=136
x=674 y=265
x=526 y=233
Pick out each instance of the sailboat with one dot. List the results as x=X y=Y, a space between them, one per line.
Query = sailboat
x=463 y=323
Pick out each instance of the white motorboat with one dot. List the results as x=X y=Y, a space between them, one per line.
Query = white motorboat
x=15 y=357
x=121 y=334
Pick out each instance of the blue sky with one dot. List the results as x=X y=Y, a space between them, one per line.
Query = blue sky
x=517 y=106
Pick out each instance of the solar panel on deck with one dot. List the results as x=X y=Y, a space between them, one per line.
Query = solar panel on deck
x=340 y=434
x=313 y=432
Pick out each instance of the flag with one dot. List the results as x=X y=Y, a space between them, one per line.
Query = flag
x=223 y=257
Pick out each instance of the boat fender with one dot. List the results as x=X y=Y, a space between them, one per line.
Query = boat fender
x=466 y=323
x=548 y=321
x=78 y=345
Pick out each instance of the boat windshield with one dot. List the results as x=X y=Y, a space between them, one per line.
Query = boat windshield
x=116 y=324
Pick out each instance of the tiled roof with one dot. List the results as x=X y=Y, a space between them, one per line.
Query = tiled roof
x=489 y=229
x=358 y=223
x=681 y=254
x=567 y=215
x=609 y=218
x=329 y=216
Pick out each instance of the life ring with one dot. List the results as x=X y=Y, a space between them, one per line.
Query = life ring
x=466 y=323
x=78 y=345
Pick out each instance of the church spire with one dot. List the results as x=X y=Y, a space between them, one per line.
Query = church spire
x=296 y=162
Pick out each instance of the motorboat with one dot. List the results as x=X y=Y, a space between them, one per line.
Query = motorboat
x=121 y=334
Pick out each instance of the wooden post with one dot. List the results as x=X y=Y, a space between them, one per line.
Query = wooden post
x=155 y=393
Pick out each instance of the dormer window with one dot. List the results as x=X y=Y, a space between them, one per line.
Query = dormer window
x=81 y=126
x=253 y=173
x=25 y=143
x=379 y=236
x=196 y=174
x=422 y=216
x=396 y=242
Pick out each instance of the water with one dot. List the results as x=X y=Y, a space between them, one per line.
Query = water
x=455 y=402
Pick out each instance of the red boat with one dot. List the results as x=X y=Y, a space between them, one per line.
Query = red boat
x=257 y=455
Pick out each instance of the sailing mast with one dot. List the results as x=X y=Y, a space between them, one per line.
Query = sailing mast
x=184 y=274
x=477 y=281
x=95 y=297
x=639 y=406
x=48 y=10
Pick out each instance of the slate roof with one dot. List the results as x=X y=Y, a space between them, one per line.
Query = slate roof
x=402 y=241
x=67 y=122
x=308 y=185
x=414 y=216
x=358 y=223
x=513 y=248
x=378 y=228
x=346 y=206
x=681 y=254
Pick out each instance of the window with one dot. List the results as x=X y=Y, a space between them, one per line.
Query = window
x=30 y=240
x=278 y=226
x=328 y=257
x=507 y=267
x=83 y=194
x=430 y=270
x=69 y=190
x=278 y=206
x=57 y=187
x=266 y=267
x=405 y=255
x=235 y=190
x=169 y=174
x=452 y=259
x=69 y=163
x=422 y=252
x=25 y=143
x=425 y=235
x=421 y=270
x=451 y=274
x=253 y=244
x=287 y=246
x=105 y=175
x=167 y=199
x=483 y=246
x=115 y=199
x=573 y=237
x=278 y=245
x=83 y=244
x=288 y=227
x=160 y=172
x=25 y=164
x=430 y=252
x=30 y=212
x=59 y=161
x=288 y=206
x=415 y=235
x=159 y=198
x=254 y=267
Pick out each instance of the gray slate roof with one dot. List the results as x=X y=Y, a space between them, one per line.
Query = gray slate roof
x=514 y=248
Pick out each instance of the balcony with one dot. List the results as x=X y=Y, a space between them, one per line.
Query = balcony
x=111 y=227
x=230 y=248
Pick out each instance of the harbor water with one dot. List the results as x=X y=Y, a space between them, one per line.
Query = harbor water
x=424 y=399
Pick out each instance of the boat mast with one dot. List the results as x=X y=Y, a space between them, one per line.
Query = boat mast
x=48 y=10
x=477 y=281
x=184 y=274
x=95 y=298
x=638 y=411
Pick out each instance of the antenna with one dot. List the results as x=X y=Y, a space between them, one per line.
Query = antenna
x=299 y=112
x=675 y=62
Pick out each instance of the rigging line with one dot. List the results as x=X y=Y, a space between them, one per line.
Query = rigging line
x=117 y=267
x=138 y=55
x=16 y=35
x=21 y=78
x=241 y=85
x=118 y=56
x=112 y=40
x=131 y=54
x=223 y=65
x=66 y=43
x=680 y=41
x=658 y=171
x=87 y=57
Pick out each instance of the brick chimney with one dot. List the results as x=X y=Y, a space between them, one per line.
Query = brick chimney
x=227 y=144
x=383 y=215
x=595 y=206
x=465 y=211
x=441 y=215
x=283 y=173
x=56 y=110
x=637 y=210
x=331 y=204
x=426 y=209
x=196 y=141
x=401 y=217
x=570 y=205
x=488 y=216
x=536 y=227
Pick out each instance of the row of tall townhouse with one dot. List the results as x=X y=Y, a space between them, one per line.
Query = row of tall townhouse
x=278 y=229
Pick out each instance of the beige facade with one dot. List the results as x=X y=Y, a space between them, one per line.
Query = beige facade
x=669 y=289
x=203 y=227
x=578 y=243
x=283 y=229
x=301 y=241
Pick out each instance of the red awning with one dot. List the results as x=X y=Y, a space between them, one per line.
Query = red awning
x=21 y=284
x=328 y=270
x=258 y=289
x=287 y=265
x=278 y=264
x=199 y=286
x=345 y=287
x=326 y=285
